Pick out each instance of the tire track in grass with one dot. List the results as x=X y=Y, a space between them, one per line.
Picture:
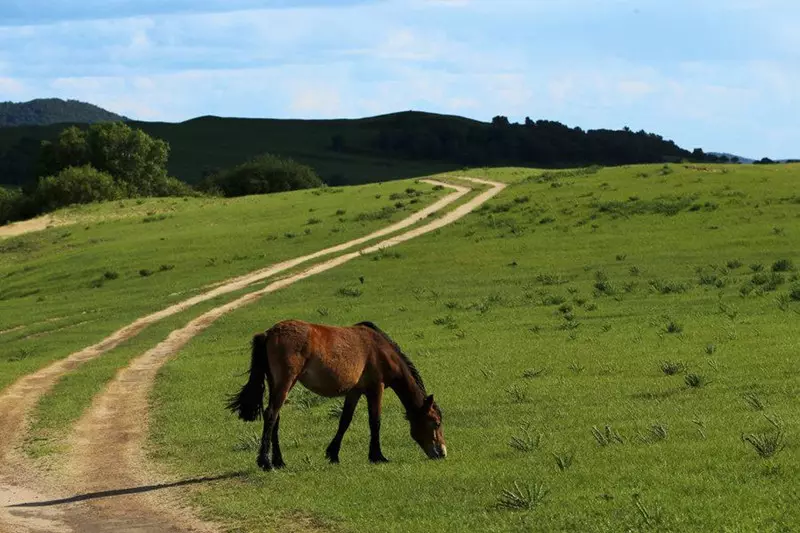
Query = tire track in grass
x=108 y=442
x=18 y=400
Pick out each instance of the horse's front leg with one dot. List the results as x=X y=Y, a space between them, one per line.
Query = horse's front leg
x=350 y=403
x=374 y=401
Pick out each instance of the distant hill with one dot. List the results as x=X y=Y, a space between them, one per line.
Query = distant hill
x=47 y=111
x=353 y=151
x=745 y=160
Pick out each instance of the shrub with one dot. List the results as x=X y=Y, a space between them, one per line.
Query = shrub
x=782 y=265
x=262 y=175
x=75 y=185
x=11 y=205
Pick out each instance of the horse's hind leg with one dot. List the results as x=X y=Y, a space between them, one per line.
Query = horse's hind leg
x=350 y=403
x=277 y=397
x=277 y=458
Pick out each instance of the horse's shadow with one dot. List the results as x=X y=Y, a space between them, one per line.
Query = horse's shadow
x=130 y=490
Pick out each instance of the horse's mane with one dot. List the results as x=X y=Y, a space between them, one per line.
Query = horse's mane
x=409 y=364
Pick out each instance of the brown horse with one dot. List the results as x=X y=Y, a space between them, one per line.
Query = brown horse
x=335 y=361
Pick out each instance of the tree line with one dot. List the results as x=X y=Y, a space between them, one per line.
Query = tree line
x=542 y=143
x=111 y=160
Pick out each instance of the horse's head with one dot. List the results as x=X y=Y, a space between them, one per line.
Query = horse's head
x=426 y=429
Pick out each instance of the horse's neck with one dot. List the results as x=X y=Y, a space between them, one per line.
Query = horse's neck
x=407 y=390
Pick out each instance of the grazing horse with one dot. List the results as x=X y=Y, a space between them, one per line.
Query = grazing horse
x=335 y=361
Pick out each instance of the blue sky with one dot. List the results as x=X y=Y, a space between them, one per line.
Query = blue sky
x=722 y=75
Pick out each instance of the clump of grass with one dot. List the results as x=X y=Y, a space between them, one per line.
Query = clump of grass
x=110 y=275
x=381 y=214
x=711 y=348
x=550 y=279
x=782 y=265
x=695 y=381
x=753 y=401
x=671 y=368
x=655 y=433
x=552 y=299
x=517 y=394
x=769 y=443
x=607 y=436
x=563 y=460
x=534 y=373
x=165 y=268
x=335 y=410
x=341 y=212
x=349 y=292
x=668 y=287
x=446 y=321
x=605 y=287
x=313 y=220
x=794 y=292
x=673 y=327
x=576 y=367
x=522 y=498
x=386 y=254
x=323 y=311
x=145 y=272
x=526 y=441
x=247 y=443
x=733 y=264
x=154 y=218
x=634 y=270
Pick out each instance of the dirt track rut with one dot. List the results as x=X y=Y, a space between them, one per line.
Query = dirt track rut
x=107 y=452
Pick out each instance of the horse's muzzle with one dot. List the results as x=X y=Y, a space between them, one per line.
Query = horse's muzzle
x=438 y=452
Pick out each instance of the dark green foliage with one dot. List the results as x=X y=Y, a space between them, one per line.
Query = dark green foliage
x=145 y=272
x=75 y=185
x=262 y=175
x=782 y=265
x=52 y=111
x=137 y=161
x=12 y=205
x=794 y=292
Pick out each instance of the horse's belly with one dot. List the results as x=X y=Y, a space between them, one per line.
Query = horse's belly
x=325 y=381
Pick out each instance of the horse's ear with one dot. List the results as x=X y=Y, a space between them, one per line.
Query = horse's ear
x=427 y=403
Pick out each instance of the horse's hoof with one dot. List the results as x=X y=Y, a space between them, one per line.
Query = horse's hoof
x=278 y=464
x=264 y=464
x=379 y=459
x=332 y=455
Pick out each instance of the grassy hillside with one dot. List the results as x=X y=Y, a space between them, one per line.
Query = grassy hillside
x=656 y=306
x=66 y=287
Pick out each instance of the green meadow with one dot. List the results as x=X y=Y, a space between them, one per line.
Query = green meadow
x=69 y=286
x=612 y=349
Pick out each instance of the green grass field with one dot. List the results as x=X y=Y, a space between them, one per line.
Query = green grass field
x=558 y=309
x=657 y=306
x=67 y=287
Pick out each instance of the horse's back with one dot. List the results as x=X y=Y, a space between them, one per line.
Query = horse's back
x=334 y=359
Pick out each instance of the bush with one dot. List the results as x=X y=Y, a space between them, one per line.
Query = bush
x=11 y=205
x=262 y=175
x=74 y=185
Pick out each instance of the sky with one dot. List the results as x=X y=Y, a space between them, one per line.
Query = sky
x=722 y=75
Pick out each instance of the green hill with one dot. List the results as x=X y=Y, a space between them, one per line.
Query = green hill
x=365 y=150
x=45 y=111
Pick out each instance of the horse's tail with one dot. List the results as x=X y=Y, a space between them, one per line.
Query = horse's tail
x=249 y=403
